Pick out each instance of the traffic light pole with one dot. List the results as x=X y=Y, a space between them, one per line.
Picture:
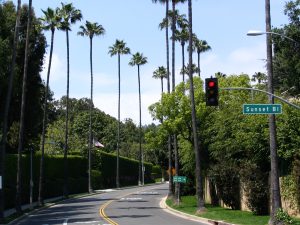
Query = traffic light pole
x=258 y=90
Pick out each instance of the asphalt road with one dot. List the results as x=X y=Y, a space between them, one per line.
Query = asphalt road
x=139 y=205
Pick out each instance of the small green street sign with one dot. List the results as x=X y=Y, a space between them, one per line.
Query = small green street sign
x=179 y=179
x=262 y=109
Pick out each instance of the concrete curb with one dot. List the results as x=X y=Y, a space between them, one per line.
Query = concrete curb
x=168 y=209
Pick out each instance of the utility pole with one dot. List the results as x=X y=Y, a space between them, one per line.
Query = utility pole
x=274 y=186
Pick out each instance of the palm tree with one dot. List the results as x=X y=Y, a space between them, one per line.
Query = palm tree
x=22 y=116
x=199 y=46
x=69 y=15
x=260 y=77
x=137 y=60
x=199 y=189
x=90 y=30
x=119 y=48
x=51 y=21
x=160 y=73
x=182 y=36
x=170 y=192
x=7 y=106
x=185 y=70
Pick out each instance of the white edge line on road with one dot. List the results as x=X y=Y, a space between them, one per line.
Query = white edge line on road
x=66 y=222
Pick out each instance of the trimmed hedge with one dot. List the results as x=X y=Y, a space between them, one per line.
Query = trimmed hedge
x=54 y=177
x=129 y=170
x=103 y=175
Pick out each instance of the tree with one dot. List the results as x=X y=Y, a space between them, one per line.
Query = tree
x=7 y=106
x=199 y=46
x=199 y=190
x=50 y=21
x=70 y=15
x=91 y=30
x=22 y=116
x=119 y=48
x=160 y=73
x=286 y=52
x=185 y=69
x=170 y=192
x=137 y=60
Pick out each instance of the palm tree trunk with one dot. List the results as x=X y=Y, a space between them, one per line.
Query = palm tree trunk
x=6 y=110
x=41 y=178
x=199 y=71
x=22 y=117
x=162 y=85
x=65 y=188
x=173 y=45
x=170 y=193
x=91 y=111
x=182 y=51
x=140 y=130
x=118 y=141
x=275 y=187
x=199 y=190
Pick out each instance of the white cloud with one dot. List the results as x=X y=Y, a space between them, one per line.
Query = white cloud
x=58 y=70
x=242 y=60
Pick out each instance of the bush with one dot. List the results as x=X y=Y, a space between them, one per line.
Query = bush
x=256 y=188
x=226 y=178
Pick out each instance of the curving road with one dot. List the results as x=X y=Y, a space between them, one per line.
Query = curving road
x=132 y=206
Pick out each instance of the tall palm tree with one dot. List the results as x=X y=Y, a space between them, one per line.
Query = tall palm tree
x=119 y=48
x=69 y=15
x=50 y=21
x=199 y=189
x=199 y=46
x=90 y=30
x=22 y=116
x=185 y=70
x=182 y=36
x=137 y=60
x=166 y=2
x=160 y=73
x=7 y=106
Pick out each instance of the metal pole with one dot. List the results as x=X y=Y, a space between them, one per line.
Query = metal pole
x=31 y=178
x=270 y=94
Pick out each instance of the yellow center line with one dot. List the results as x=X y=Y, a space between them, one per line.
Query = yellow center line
x=102 y=208
x=104 y=216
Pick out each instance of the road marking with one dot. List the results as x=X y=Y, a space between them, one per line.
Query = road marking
x=104 y=216
x=102 y=208
x=66 y=222
x=130 y=199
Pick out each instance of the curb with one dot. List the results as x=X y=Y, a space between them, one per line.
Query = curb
x=175 y=212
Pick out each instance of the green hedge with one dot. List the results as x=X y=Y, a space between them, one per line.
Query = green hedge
x=103 y=175
x=129 y=170
x=54 y=177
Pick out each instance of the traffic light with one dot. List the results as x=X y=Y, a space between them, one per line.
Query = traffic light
x=211 y=91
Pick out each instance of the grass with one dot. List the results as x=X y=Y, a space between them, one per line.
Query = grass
x=189 y=205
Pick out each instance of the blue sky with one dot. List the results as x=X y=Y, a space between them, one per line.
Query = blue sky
x=223 y=24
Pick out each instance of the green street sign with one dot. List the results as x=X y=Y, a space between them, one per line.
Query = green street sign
x=262 y=109
x=179 y=179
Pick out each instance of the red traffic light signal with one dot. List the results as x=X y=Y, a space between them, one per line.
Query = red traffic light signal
x=211 y=91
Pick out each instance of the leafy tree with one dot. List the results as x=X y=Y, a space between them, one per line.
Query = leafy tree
x=286 y=52
x=91 y=30
x=138 y=60
x=70 y=15
x=119 y=48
